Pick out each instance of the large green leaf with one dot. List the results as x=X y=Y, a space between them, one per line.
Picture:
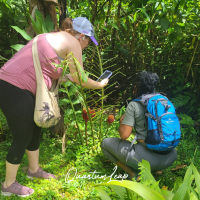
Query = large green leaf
x=163 y=6
x=131 y=18
x=144 y=11
x=115 y=26
x=17 y=47
x=147 y=176
x=64 y=101
x=135 y=17
x=168 y=195
x=120 y=191
x=77 y=100
x=181 y=192
x=177 y=184
x=194 y=194
x=40 y=21
x=146 y=171
x=142 y=190
x=164 y=23
x=23 y=33
x=157 y=4
x=103 y=194
x=36 y=29
x=49 y=24
x=197 y=178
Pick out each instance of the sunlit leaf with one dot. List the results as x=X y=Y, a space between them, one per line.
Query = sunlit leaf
x=64 y=101
x=22 y=32
x=17 y=47
x=157 y=4
x=144 y=11
x=163 y=6
x=135 y=17
x=120 y=191
x=103 y=194
x=115 y=26
x=142 y=190
x=36 y=29
x=168 y=195
x=181 y=192
x=177 y=184
x=197 y=178
x=131 y=18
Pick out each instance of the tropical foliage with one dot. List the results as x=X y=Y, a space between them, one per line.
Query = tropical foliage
x=149 y=189
x=158 y=36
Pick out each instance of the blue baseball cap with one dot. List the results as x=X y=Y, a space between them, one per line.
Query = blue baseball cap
x=83 y=25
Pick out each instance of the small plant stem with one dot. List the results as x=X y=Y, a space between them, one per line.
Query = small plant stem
x=1 y=127
x=63 y=141
x=107 y=130
x=84 y=98
x=102 y=94
x=65 y=66
x=74 y=115
x=91 y=123
x=86 y=132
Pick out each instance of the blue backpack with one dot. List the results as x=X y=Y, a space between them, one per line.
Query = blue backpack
x=163 y=125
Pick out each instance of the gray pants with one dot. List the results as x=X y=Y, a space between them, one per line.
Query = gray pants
x=116 y=149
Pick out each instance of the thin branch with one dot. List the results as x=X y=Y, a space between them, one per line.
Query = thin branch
x=192 y=59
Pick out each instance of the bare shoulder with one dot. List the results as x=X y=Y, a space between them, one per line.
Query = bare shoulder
x=63 y=43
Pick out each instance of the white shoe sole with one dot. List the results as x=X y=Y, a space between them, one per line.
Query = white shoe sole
x=9 y=194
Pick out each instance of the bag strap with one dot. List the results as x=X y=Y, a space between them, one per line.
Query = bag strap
x=38 y=69
x=36 y=62
x=130 y=153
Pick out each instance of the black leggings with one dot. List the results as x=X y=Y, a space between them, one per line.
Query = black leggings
x=18 y=107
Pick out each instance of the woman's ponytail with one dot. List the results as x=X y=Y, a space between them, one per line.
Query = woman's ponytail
x=67 y=25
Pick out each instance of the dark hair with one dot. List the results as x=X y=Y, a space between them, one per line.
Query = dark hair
x=145 y=83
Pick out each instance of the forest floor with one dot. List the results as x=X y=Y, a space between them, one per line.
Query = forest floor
x=75 y=167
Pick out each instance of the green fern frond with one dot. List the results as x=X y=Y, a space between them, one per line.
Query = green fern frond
x=180 y=100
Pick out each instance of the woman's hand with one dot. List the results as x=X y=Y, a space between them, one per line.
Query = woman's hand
x=103 y=83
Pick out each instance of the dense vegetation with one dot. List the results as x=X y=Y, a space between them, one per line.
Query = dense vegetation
x=158 y=36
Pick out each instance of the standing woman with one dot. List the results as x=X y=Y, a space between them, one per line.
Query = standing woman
x=18 y=89
x=116 y=149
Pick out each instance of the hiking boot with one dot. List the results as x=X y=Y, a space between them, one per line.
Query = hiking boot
x=40 y=174
x=17 y=189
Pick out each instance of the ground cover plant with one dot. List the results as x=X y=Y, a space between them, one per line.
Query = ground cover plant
x=158 y=36
x=74 y=166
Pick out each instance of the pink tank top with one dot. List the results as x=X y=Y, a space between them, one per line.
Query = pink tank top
x=20 y=72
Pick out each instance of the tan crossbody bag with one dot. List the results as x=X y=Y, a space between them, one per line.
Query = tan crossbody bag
x=47 y=112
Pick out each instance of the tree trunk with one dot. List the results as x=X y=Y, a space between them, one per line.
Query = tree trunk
x=113 y=37
x=63 y=4
x=45 y=7
x=94 y=6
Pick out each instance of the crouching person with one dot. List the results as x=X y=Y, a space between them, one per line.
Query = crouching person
x=116 y=149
